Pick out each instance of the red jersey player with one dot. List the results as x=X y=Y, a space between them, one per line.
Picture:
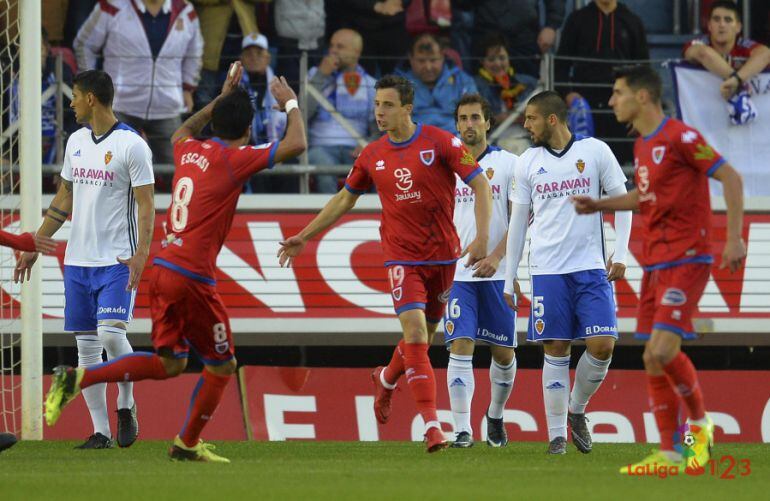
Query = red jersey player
x=724 y=52
x=413 y=167
x=672 y=166
x=187 y=312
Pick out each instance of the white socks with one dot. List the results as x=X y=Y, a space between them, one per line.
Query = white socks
x=116 y=344
x=501 y=383
x=460 y=382
x=556 y=395
x=90 y=353
x=589 y=374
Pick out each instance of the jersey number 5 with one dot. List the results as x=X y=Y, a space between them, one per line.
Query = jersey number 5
x=183 y=192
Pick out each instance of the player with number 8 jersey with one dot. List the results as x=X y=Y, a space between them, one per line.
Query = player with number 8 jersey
x=186 y=310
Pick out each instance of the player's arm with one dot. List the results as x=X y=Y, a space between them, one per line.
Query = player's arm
x=732 y=185
x=195 y=124
x=294 y=142
x=616 y=265
x=587 y=205
x=144 y=196
x=482 y=208
x=517 y=234
x=56 y=215
x=334 y=209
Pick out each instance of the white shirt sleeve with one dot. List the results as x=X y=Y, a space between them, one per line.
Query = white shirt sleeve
x=522 y=193
x=517 y=235
x=139 y=161
x=91 y=38
x=512 y=177
x=622 y=228
x=610 y=173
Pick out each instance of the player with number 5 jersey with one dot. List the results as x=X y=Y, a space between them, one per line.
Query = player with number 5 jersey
x=186 y=310
x=572 y=298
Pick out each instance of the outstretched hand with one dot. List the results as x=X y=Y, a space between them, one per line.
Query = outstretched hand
x=584 y=204
x=290 y=248
x=233 y=80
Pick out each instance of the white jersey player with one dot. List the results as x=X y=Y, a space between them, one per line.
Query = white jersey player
x=571 y=293
x=476 y=310
x=107 y=186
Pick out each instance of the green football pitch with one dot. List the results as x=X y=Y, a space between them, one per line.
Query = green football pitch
x=387 y=470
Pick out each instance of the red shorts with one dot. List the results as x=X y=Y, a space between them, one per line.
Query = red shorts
x=421 y=287
x=669 y=297
x=189 y=314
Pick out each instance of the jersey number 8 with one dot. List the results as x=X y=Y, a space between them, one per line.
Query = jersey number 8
x=183 y=192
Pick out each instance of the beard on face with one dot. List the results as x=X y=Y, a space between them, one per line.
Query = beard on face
x=544 y=137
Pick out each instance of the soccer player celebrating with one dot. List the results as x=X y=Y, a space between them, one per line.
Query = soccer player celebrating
x=672 y=166
x=187 y=312
x=477 y=310
x=107 y=174
x=571 y=293
x=413 y=168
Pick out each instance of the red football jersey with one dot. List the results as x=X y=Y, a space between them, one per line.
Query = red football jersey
x=672 y=166
x=416 y=184
x=208 y=179
x=738 y=55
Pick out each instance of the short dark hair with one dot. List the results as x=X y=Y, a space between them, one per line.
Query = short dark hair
x=403 y=86
x=96 y=82
x=474 y=98
x=549 y=103
x=641 y=76
x=490 y=41
x=232 y=115
x=424 y=42
x=726 y=4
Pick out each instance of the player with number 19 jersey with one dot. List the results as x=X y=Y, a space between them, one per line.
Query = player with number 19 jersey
x=188 y=312
x=415 y=181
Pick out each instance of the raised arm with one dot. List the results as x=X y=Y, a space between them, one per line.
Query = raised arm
x=587 y=205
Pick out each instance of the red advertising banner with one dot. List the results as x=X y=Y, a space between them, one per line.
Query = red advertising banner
x=336 y=404
x=340 y=276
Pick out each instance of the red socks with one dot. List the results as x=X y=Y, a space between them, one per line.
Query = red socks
x=130 y=367
x=419 y=376
x=204 y=401
x=665 y=407
x=395 y=368
x=683 y=379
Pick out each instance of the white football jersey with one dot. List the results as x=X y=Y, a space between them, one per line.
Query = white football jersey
x=498 y=165
x=562 y=241
x=103 y=172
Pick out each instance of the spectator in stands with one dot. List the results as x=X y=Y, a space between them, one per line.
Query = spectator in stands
x=382 y=25
x=152 y=50
x=497 y=81
x=603 y=29
x=300 y=26
x=269 y=123
x=350 y=89
x=215 y=17
x=438 y=84
x=724 y=52
x=520 y=21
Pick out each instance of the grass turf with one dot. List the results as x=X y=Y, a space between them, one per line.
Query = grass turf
x=355 y=470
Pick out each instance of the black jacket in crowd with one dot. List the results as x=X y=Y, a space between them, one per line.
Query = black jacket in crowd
x=590 y=33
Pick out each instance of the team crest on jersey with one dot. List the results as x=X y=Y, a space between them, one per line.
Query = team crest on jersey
x=427 y=157
x=539 y=326
x=490 y=172
x=449 y=327
x=179 y=26
x=380 y=165
x=397 y=293
x=581 y=165
x=107 y=157
x=657 y=154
